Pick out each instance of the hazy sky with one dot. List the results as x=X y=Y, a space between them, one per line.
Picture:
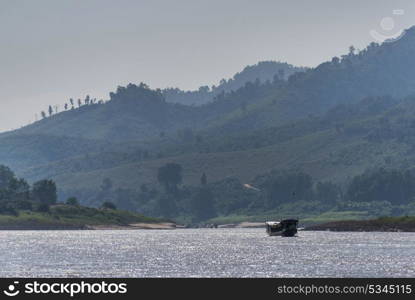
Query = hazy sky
x=55 y=49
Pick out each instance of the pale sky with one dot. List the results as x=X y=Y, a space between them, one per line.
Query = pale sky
x=52 y=50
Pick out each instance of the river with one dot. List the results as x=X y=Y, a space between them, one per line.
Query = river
x=205 y=253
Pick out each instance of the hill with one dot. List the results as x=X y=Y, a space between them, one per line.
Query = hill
x=261 y=72
x=332 y=123
x=343 y=143
x=141 y=114
x=29 y=207
x=378 y=70
x=132 y=113
x=20 y=151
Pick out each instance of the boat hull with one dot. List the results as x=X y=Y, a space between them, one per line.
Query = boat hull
x=283 y=233
x=285 y=228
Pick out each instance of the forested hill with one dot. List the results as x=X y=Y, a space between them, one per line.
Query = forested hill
x=334 y=121
x=136 y=112
x=261 y=72
x=378 y=70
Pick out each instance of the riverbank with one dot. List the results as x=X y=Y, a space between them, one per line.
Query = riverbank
x=243 y=225
x=136 y=226
x=384 y=224
x=67 y=217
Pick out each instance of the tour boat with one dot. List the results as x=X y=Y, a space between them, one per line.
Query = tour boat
x=286 y=227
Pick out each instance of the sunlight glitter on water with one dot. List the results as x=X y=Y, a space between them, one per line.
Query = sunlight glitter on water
x=205 y=253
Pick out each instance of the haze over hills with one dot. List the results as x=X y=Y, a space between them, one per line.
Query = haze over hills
x=333 y=122
x=263 y=71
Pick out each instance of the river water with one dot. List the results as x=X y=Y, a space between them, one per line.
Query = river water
x=205 y=253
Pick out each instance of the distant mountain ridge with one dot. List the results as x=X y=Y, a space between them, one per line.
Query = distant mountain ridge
x=378 y=70
x=262 y=72
x=333 y=121
x=136 y=112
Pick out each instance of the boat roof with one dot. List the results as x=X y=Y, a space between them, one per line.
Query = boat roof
x=272 y=223
x=282 y=221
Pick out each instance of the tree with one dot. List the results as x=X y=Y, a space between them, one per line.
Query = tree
x=50 y=110
x=44 y=191
x=72 y=201
x=352 y=50
x=66 y=106
x=18 y=190
x=202 y=205
x=6 y=177
x=166 y=205
x=394 y=186
x=286 y=187
x=43 y=114
x=79 y=103
x=170 y=175
x=14 y=192
x=108 y=205
x=43 y=207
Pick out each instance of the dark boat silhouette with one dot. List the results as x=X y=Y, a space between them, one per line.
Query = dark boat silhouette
x=287 y=227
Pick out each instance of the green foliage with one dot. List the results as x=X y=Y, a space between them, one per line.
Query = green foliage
x=108 y=205
x=73 y=201
x=170 y=175
x=263 y=71
x=202 y=204
x=285 y=187
x=231 y=196
x=26 y=206
x=64 y=216
x=300 y=123
x=42 y=207
x=166 y=205
x=6 y=176
x=14 y=192
x=327 y=192
x=395 y=186
x=44 y=191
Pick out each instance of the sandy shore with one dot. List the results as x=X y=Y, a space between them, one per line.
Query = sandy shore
x=134 y=226
x=244 y=225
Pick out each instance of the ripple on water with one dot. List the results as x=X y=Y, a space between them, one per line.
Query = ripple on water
x=205 y=253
